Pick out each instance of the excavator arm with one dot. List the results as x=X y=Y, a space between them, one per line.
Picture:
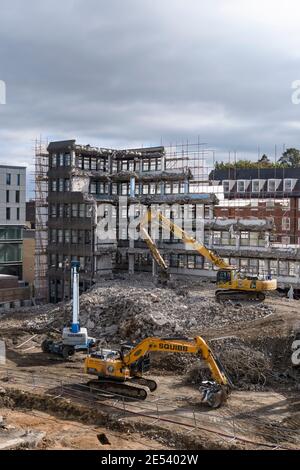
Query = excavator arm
x=115 y=367
x=195 y=346
x=153 y=249
x=167 y=224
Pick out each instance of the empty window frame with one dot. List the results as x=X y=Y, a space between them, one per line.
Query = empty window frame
x=82 y=210
x=103 y=188
x=207 y=212
x=61 y=159
x=145 y=188
x=53 y=235
x=93 y=188
x=53 y=211
x=61 y=185
x=283 y=268
x=87 y=163
x=255 y=186
x=253 y=266
x=60 y=236
x=53 y=185
x=287 y=185
x=146 y=165
x=131 y=165
x=67 y=161
x=152 y=188
x=101 y=164
x=67 y=236
x=80 y=161
x=74 y=210
x=53 y=160
x=245 y=237
x=124 y=189
x=241 y=186
x=225 y=186
x=175 y=188
x=181 y=188
x=191 y=262
x=286 y=223
x=124 y=165
x=292 y=268
x=270 y=203
x=153 y=164
x=74 y=237
x=217 y=238
x=60 y=210
x=271 y=186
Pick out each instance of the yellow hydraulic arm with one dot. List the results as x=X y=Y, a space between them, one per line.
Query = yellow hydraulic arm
x=179 y=233
x=195 y=346
x=114 y=368
x=153 y=249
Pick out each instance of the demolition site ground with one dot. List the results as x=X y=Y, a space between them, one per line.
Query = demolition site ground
x=46 y=404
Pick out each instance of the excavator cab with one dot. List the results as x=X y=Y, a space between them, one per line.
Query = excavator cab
x=224 y=276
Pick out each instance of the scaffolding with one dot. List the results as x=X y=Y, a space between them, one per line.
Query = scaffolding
x=41 y=212
x=195 y=157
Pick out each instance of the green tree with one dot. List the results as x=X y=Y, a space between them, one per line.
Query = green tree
x=291 y=158
x=264 y=161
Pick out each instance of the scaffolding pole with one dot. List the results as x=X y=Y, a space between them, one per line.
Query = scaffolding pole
x=41 y=231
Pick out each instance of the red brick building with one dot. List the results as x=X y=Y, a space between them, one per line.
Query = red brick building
x=262 y=193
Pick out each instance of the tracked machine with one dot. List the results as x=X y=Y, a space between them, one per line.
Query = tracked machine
x=231 y=283
x=122 y=372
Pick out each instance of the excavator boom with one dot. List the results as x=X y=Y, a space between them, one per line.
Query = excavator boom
x=167 y=224
x=232 y=284
x=177 y=345
x=113 y=367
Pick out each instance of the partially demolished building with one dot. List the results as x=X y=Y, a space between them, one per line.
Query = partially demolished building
x=93 y=193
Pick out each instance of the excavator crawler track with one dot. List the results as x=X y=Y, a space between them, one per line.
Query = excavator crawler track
x=151 y=384
x=239 y=296
x=117 y=388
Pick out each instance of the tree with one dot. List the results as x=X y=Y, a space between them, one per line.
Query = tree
x=291 y=158
x=264 y=161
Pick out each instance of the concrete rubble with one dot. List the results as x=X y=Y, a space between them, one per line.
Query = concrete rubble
x=12 y=438
x=120 y=312
x=117 y=310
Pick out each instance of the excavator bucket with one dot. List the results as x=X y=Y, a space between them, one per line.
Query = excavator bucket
x=213 y=394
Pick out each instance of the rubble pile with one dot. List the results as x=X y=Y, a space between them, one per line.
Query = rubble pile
x=248 y=365
x=118 y=312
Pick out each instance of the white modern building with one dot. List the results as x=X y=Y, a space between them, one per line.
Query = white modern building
x=12 y=218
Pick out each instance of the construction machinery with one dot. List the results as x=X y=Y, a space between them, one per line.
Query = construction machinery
x=74 y=337
x=232 y=284
x=122 y=372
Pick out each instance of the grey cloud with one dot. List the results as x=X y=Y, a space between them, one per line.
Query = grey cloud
x=131 y=72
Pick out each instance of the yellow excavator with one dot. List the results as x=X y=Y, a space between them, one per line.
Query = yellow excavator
x=122 y=372
x=232 y=284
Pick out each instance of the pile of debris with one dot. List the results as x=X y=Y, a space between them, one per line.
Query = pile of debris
x=249 y=365
x=118 y=312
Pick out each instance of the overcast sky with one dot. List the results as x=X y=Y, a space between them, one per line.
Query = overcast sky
x=140 y=72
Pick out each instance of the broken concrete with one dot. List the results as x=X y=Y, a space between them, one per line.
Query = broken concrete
x=12 y=439
x=118 y=311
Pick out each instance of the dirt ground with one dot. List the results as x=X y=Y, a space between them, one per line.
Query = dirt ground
x=63 y=434
x=265 y=416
